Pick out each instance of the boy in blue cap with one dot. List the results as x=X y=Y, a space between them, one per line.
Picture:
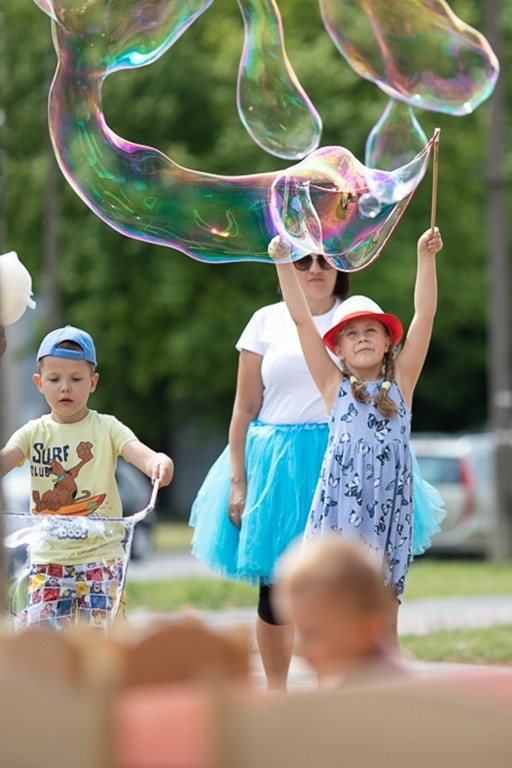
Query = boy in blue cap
x=75 y=570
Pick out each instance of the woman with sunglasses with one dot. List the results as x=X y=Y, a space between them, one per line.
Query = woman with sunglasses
x=256 y=497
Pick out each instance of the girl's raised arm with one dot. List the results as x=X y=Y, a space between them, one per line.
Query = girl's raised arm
x=410 y=361
x=326 y=375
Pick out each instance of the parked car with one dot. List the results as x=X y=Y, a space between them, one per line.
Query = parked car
x=462 y=469
x=134 y=489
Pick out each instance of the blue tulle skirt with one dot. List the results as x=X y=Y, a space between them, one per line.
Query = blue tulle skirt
x=282 y=466
x=429 y=511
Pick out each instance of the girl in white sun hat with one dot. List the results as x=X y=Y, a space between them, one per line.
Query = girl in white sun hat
x=365 y=489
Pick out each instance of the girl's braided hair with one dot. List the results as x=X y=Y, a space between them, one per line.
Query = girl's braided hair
x=386 y=406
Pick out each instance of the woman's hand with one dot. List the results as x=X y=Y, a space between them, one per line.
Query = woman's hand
x=236 y=503
x=278 y=249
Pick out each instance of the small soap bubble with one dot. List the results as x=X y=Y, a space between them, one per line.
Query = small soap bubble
x=368 y=206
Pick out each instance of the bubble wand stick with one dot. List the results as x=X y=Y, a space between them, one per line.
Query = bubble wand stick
x=435 y=170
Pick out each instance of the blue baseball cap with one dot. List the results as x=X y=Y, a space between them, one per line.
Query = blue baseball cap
x=49 y=345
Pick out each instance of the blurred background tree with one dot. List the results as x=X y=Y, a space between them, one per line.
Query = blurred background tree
x=166 y=325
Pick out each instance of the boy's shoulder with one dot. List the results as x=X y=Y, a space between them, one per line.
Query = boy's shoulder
x=108 y=421
x=105 y=420
x=32 y=424
x=97 y=416
x=92 y=418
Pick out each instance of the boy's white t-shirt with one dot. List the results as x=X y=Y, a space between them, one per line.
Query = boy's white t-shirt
x=290 y=396
x=53 y=449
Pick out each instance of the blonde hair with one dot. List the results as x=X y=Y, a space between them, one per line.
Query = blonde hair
x=386 y=406
x=333 y=566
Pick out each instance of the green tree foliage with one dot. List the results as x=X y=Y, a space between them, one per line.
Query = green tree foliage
x=165 y=324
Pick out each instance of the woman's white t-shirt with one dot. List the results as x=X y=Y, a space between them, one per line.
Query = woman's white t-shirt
x=290 y=396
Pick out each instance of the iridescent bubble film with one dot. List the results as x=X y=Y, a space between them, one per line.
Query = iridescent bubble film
x=332 y=204
x=395 y=138
x=418 y=51
x=272 y=105
x=144 y=194
x=393 y=186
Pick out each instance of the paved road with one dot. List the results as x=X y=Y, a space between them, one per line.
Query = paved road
x=167 y=565
x=416 y=616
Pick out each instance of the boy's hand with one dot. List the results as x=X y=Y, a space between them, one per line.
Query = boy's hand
x=278 y=248
x=163 y=470
x=430 y=242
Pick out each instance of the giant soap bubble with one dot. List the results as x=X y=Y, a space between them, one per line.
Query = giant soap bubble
x=417 y=51
x=395 y=138
x=273 y=106
x=321 y=205
x=143 y=194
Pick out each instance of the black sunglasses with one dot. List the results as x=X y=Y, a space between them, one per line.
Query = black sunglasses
x=305 y=263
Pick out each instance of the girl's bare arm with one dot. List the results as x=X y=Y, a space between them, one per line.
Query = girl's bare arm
x=412 y=356
x=326 y=375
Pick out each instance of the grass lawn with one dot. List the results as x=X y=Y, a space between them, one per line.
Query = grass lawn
x=193 y=593
x=492 y=645
x=169 y=536
x=428 y=578
x=450 y=577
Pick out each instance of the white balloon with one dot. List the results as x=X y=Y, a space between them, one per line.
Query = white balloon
x=15 y=288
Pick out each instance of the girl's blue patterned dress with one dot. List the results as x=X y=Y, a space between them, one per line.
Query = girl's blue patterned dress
x=365 y=489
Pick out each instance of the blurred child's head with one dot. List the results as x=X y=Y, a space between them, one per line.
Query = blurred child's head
x=334 y=593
